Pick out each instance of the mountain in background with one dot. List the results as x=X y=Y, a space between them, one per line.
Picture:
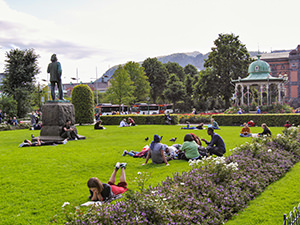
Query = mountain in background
x=196 y=59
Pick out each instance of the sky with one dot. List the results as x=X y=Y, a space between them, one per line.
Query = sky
x=90 y=36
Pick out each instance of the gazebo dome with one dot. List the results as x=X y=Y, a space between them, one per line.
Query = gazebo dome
x=259 y=67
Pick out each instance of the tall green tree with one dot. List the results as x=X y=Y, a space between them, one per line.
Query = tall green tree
x=189 y=85
x=190 y=69
x=140 y=81
x=207 y=85
x=121 y=89
x=175 y=68
x=157 y=75
x=229 y=59
x=20 y=70
x=175 y=90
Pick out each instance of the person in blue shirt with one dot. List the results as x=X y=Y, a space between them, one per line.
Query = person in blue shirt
x=216 y=145
x=240 y=111
x=213 y=124
x=258 y=110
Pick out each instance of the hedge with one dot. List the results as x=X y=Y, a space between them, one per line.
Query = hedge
x=139 y=119
x=83 y=101
x=270 y=119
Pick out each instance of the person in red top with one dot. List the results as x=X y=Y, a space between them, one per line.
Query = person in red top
x=287 y=124
x=102 y=192
x=131 y=122
x=251 y=123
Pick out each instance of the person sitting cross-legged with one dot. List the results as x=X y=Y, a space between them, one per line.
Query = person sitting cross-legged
x=216 y=145
x=156 y=152
x=245 y=132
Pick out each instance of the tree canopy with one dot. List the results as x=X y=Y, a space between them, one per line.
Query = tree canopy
x=20 y=71
x=175 y=90
x=229 y=59
x=157 y=75
x=121 y=89
x=140 y=81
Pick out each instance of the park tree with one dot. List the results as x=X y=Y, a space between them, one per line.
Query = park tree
x=121 y=89
x=140 y=81
x=20 y=71
x=157 y=75
x=229 y=59
x=206 y=87
x=8 y=105
x=83 y=100
x=190 y=69
x=189 y=85
x=175 y=68
x=175 y=90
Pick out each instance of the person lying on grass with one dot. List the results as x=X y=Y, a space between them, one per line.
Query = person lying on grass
x=38 y=142
x=156 y=152
x=216 y=145
x=102 y=192
x=199 y=127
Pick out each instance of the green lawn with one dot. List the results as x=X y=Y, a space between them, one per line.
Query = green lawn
x=36 y=181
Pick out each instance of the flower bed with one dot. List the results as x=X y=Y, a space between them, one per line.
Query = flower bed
x=210 y=193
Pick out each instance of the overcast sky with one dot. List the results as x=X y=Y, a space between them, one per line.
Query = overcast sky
x=90 y=34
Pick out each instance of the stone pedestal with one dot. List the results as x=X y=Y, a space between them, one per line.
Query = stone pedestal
x=54 y=118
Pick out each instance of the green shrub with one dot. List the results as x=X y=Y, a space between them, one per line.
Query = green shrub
x=139 y=119
x=5 y=126
x=83 y=100
x=270 y=119
x=8 y=105
x=194 y=119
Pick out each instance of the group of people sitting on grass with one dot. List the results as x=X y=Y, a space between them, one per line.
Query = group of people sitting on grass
x=130 y=123
x=190 y=149
x=245 y=132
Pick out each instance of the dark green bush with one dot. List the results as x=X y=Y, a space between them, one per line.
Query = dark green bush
x=139 y=119
x=83 y=100
x=269 y=119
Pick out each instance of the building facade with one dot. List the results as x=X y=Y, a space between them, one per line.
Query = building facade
x=286 y=63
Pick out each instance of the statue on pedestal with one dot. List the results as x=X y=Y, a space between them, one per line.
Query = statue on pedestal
x=54 y=68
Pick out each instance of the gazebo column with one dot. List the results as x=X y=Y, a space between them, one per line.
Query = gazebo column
x=261 y=94
x=248 y=94
x=268 y=103
x=242 y=95
x=235 y=94
x=279 y=93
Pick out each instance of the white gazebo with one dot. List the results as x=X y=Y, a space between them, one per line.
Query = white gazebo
x=260 y=77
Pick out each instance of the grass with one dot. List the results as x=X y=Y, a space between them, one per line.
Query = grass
x=36 y=181
x=279 y=198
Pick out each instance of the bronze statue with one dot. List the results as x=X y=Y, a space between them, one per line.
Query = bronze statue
x=54 y=68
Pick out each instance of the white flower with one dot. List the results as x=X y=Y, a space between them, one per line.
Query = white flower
x=182 y=184
x=65 y=203
x=164 y=199
x=269 y=150
x=139 y=173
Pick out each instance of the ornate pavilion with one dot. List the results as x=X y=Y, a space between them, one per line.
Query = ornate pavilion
x=260 y=78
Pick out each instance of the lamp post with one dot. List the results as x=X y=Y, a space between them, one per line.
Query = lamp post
x=47 y=87
x=148 y=103
x=96 y=82
x=76 y=78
